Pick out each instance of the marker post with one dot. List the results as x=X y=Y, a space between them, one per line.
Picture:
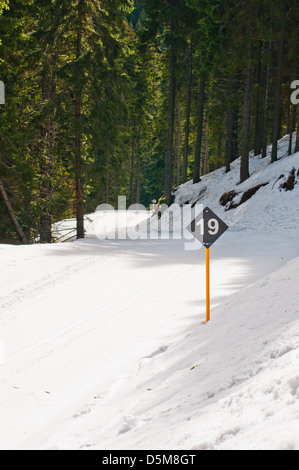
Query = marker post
x=208 y=316
x=207 y=227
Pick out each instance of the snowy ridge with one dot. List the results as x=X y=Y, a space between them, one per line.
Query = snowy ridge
x=104 y=345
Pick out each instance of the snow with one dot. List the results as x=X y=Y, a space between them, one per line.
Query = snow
x=103 y=341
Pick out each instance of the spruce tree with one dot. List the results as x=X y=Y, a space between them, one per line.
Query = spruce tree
x=90 y=42
x=169 y=21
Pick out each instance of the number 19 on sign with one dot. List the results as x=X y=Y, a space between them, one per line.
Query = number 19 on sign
x=213 y=226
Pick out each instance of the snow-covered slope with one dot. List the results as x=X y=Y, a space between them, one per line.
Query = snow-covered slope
x=271 y=206
x=103 y=343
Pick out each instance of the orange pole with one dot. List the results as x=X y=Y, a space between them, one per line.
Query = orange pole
x=208 y=284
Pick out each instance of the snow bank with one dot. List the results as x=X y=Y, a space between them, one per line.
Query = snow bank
x=232 y=384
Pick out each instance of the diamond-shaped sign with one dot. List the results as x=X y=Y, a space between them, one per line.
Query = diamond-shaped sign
x=207 y=227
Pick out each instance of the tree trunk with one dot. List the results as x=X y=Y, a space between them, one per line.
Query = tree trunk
x=138 y=176
x=276 y=114
x=206 y=166
x=258 y=109
x=266 y=107
x=244 y=170
x=197 y=158
x=107 y=183
x=188 y=111
x=45 y=228
x=232 y=147
x=171 y=117
x=138 y=182
x=178 y=145
x=78 y=152
x=219 y=145
x=235 y=120
x=12 y=215
x=46 y=161
x=133 y=152
x=229 y=139
x=79 y=173
x=228 y=147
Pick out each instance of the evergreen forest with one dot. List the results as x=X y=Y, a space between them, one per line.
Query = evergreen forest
x=120 y=97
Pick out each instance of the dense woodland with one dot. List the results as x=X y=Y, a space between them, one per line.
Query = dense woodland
x=133 y=98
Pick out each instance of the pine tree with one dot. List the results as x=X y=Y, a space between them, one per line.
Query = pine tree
x=278 y=81
x=188 y=112
x=15 y=171
x=244 y=169
x=90 y=40
x=173 y=18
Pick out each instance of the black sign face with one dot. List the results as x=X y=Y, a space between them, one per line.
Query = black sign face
x=207 y=227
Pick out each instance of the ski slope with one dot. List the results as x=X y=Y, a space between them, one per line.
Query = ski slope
x=104 y=344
